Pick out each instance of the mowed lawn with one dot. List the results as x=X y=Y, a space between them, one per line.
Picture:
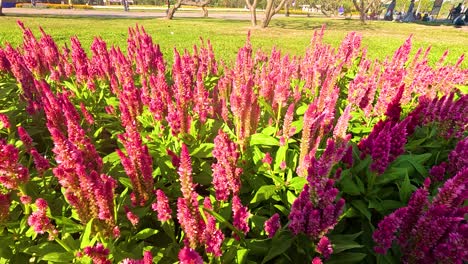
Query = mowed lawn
x=289 y=34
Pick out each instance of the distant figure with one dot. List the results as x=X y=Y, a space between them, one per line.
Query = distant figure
x=458 y=21
x=457 y=10
x=398 y=16
x=466 y=16
x=341 y=10
x=418 y=16
x=33 y=3
x=389 y=15
x=426 y=17
x=409 y=15
x=125 y=5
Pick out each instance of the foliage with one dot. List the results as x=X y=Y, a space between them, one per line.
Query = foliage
x=121 y=157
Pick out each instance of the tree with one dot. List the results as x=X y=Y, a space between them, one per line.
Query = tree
x=179 y=3
x=1 y=12
x=272 y=8
x=364 y=6
x=252 y=5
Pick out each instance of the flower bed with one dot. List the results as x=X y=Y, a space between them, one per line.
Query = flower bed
x=120 y=158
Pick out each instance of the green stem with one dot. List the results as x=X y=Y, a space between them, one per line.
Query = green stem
x=278 y=116
x=60 y=242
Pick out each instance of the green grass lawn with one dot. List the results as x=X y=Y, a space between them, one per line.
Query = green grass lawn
x=291 y=35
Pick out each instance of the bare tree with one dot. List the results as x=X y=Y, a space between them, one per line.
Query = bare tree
x=272 y=8
x=179 y=3
x=364 y=6
x=327 y=7
x=252 y=5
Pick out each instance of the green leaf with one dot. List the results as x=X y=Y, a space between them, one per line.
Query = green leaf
x=280 y=157
x=264 y=140
x=86 y=238
x=342 y=245
x=145 y=233
x=60 y=257
x=203 y=151
x=281 y=242
x=405 y=189
x=346 y=257
x=242 y=255
x=297 y=183
x=361 y=207
x=44 y=249
x=385 y=206
x=264 y=193
x=348 y=185
x=222 y=220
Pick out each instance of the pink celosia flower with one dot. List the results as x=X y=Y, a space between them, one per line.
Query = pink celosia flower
x=429 y=231
x=272 y=225
x=24 y=136
x=188 y=213
x=267 y=159
x=39 y=220
x=12 y=173
x=324 y=247
x=5 y=123
x=133 y=218
x=99 y=254
x=147 y=259
x=25 y=199
x=188 y=255
x=213 y=236
x=316 y=260
x=240 y=215
x=226 y=174
x=162 y=206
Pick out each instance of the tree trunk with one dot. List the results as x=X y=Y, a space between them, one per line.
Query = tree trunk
x=173 y=9
x=362 y=11
x=1 y=12
x=287 y=9
x=253 y=11
x=179 y=3
x=270 y=11
x=205 y=11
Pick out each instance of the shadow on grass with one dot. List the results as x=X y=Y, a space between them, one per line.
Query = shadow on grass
x=316 y=24
x=96 y=17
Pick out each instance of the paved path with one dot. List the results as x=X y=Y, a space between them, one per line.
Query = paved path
x=112 y=12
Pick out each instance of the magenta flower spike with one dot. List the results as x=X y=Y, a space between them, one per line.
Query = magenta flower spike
x=213 y=236
x=99 y=254
x=188 y=213
x=12 y=173
x=226 y=174
x=272 y=225
x=188 y=255
x=161 y=207
x=39 y=220
x=429 y=231
x=240 y=216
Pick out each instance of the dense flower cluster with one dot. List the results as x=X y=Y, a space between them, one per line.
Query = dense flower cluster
x=187 y=206
x=39 y=220
x=147 y=259
x=317 y=96
x=226 y=174
x=12 y=173
x=99 y=254
x=272 y=225
x=162 y=206
x=426 y=231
